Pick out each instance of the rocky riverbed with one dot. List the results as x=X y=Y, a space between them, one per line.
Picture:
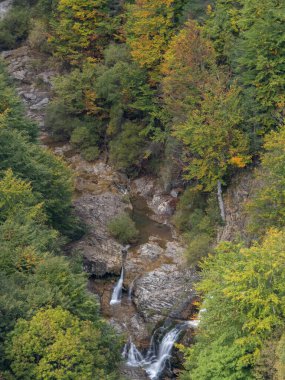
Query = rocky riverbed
x=157 y=283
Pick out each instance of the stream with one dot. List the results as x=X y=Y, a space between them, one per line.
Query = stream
x=146 y=291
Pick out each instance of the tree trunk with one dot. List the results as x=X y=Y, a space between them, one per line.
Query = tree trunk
x=221 y=202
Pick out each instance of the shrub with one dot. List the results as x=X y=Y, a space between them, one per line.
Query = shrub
x=127 y=150
x=38 y=36
x=198 y=246
x=123 y=229
x=197 y=217
x=58 y=121
x=91 y=153
x=14 y=28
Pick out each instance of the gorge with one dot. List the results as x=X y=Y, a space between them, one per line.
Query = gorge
x=161 y=287
x=142 y=177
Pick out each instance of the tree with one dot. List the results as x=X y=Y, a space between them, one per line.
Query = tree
x=114 y=92
x=259 y=60
x=123 y=229
x=148 y=29
x=123 y=90
x=54 y=344
x=48 y=175
x=213 y=137
x=128 y=149
x=80 y=29
x=187 y=63
x=266 y=208
x=243 y=305
x=222 y=27
x=12 y=108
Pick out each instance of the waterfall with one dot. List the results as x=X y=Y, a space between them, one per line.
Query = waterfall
x=155 y=360
x=132 y=354
x=195 y=322
x=117 y=292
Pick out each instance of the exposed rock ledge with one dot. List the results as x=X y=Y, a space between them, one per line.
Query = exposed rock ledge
x=161 y=284
x=235 y=198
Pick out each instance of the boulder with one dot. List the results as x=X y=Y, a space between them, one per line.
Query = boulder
x=150 y=251
x=162 y=292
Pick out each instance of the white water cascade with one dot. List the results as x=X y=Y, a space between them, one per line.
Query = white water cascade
x=117 y=292
x=155 y=360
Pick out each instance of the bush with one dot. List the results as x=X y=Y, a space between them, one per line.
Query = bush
x=198 y=246
x=123 y=229
x=127 y=150
x=58 y=121
x=38 y=37
x=197 y=217
x=91 y=153
x=14 y=28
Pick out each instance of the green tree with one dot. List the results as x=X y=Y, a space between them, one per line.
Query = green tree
x=213 y=136
x=54 y=344
x=129 y=149
x=48 y=175
x=259 y=61
x=222 y=27
x=122 y=87
x=266 y=208
x=14 y=27
x=12 y=108
x=197 y=218
x=80 y=29
x=243 y=306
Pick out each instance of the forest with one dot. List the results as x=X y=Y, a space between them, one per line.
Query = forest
x=188 y=91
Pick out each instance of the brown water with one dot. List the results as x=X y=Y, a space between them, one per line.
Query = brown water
x=146 y=226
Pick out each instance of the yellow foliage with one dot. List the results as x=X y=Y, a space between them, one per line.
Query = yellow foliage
x=238 y=161
x=148 y=29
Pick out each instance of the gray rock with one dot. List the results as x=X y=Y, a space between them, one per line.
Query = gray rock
x=29 y=96
x=237 y=194
x=150 y=250
x=145 y=186
x=161 y=205
x=47 y=77
x=102 y=254
x=131 y=373
x=174 y=250
x=41 y=104
x=20 y=74
x=159 y=293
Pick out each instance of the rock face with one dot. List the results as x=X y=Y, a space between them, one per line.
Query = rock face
x=235 y=199
x=33 y=86
x=102 y=253
x=160 y=293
